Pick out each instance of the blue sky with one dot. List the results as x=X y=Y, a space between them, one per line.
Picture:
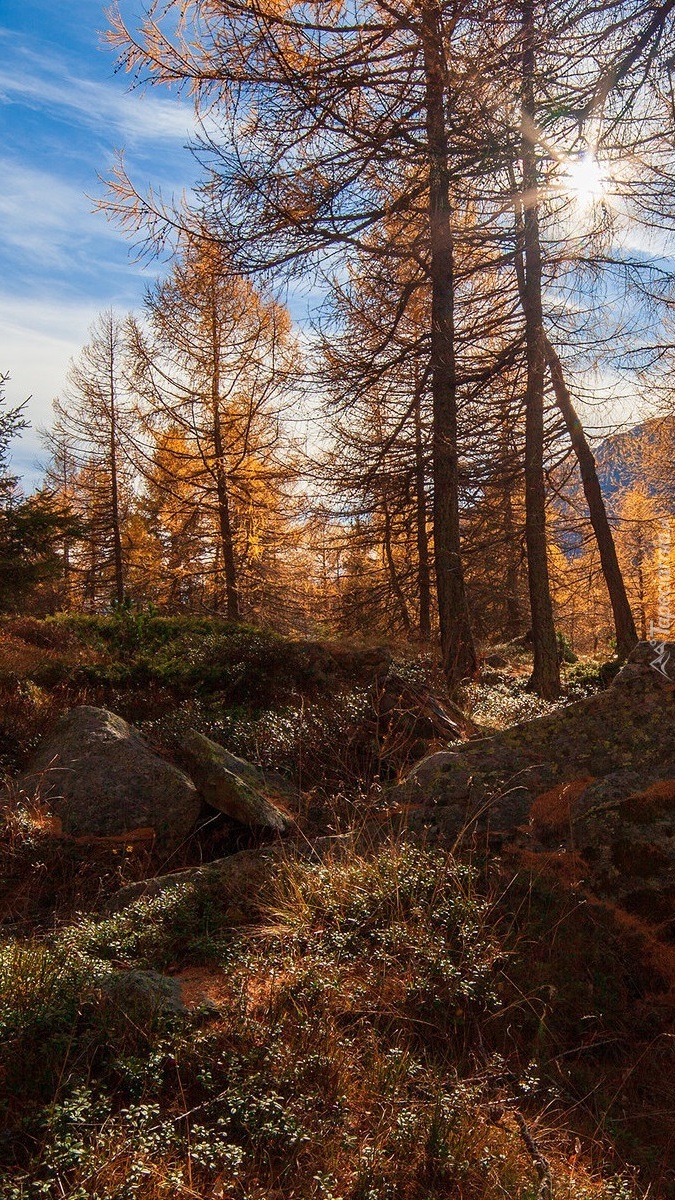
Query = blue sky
x=63 y=112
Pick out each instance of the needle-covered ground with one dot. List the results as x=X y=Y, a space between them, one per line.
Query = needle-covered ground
x=379 y=1021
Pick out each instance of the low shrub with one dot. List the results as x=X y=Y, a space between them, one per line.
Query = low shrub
x=346 y=1055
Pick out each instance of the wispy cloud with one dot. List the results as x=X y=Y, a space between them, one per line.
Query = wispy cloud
x=42 y=215
x=38 y=338
x=48 y=228
x=43 y=81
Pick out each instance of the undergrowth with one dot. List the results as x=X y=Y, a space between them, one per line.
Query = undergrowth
x=354 y=1045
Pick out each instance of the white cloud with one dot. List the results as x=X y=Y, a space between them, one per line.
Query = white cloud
x=37 y=340
x=43 y=215
x=44 y=82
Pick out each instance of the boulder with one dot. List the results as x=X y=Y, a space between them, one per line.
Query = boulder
x=101 y=779
x=652 y=661
x=622 y=828
x=608 y=732
x=230 y=784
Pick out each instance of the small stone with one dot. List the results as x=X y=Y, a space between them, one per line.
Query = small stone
x=144 y=994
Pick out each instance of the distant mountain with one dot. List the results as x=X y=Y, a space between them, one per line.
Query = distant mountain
x=643 y=455
x=624 y=459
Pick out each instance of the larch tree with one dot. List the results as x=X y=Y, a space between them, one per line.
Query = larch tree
x=95 y=426
x=314 y=109
x=215 y=361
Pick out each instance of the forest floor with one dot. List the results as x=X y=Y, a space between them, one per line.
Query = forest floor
x=395 y=1022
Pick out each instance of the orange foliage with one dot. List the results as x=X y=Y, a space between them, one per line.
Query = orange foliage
x=550 y=813
x=655 y=801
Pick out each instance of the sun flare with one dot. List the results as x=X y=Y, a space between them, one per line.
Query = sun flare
x=585 y=180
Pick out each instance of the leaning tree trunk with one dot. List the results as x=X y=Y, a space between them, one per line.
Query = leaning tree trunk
x=546 y=671
x=457 y=645
x=624 y=624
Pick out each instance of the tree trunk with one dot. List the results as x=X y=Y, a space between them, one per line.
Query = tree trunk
x=391 y=567
x=114 y=485
x=222 y=491
x=624 y=625
x=514 y=618
x=545 y=678
x=423 y=571
x=457 y=646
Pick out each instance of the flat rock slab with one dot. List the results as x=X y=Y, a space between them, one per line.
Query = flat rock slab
x=230 y=784
x=237 y=878
x=101 y=779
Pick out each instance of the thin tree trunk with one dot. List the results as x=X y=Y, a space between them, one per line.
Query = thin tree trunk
x=114 y=485
x=545 y=678
x=66 y=540
x=641 y=598
x=624 y=624
x=222 y=492
x=391 y=567
x=514 y=619
x=457 y=645
x=225 y=524
x=423 y=571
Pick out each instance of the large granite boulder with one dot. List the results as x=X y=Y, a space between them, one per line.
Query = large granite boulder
x=491 y=782
x=230 y=784
x=625 y=834
x=100 y=778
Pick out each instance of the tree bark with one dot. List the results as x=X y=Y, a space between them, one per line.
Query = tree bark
x=391 y=567
x=423 y=571
x=624 y=624
x=545 y=678
x=457 y=645
x=114 y=484
x=222 y=490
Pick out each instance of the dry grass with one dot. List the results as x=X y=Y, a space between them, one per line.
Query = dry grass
x=357 y=1044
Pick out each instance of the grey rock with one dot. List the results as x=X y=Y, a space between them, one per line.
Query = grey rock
x=99 y=776
x=654 y=660
x=615 y=786
x=236 y=879
x=231 y=785
x=598 y=736
x=237 y=876
x=144 y=994
x=629 y=847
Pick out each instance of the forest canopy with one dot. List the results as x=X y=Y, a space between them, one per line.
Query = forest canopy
x=482 y=199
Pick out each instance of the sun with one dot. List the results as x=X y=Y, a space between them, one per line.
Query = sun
x=585 y=180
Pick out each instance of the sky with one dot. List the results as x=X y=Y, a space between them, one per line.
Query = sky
x=64 y=112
